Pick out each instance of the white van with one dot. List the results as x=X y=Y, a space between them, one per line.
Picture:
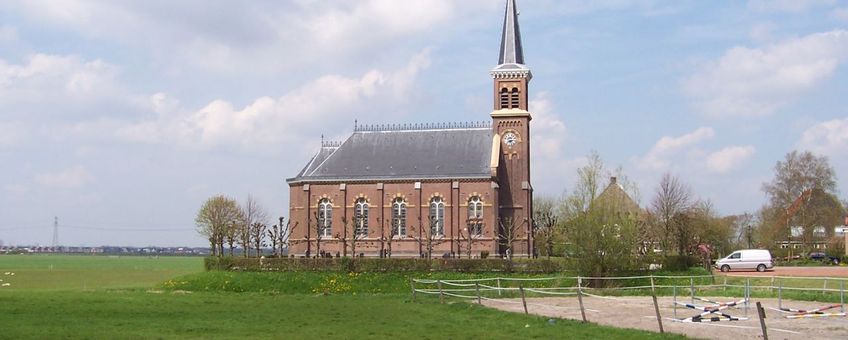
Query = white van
x=759 y=259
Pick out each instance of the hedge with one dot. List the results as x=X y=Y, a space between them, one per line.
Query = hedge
x=345 y=264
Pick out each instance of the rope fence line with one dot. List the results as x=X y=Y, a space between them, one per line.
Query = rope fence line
x=512 y=290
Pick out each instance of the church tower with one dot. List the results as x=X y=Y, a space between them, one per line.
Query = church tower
x=511 y=124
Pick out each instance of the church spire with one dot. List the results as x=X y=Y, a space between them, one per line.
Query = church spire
x=511 y=51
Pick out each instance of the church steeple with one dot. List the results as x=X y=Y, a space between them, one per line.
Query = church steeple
x=511 y=52
x=511 y=75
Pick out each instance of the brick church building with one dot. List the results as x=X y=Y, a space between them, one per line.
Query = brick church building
x=409 y=190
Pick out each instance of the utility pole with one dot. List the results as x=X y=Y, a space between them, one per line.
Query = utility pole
x=55 y=232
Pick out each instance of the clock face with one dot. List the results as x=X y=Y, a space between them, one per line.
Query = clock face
x=510 y=138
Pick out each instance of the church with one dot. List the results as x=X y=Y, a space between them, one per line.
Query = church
x=415 y=190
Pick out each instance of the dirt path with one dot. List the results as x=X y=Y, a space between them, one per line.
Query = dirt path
x=829 y=271
x=638 y=312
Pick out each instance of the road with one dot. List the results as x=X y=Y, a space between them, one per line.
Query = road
x=823 y=271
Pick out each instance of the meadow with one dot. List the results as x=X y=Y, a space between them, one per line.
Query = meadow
x=171 y=297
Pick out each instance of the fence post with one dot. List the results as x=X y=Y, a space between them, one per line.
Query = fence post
x=477 y=286
x=725 y=283
x=441 y=293
x=580 y=297
x=824 y=287
x=499 y=286
x=771 y=288
x=674 y=303
x=762 y=314
x=692 y=288
x=656 y=306
x=523 y=300
x=412 y=285
x=747 y=294
x=780 y=294
x=842 y=296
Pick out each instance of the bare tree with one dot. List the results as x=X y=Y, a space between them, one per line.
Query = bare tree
x=356 y=234
x=285 y=231
x=799 y=172
x=546 y=222
x=508 y=233
x=231 y=233
x=274 y=237
x=469 y=235
x=213 y=218
x=257 y=234
x=253 y=213
x=429 y=237
x=672 y=201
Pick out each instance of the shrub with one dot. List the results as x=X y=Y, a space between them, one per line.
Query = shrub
x=680 y=262
x=347 y=264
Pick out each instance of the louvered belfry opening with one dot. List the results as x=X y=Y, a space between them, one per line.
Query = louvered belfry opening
x=514 y=98
x=504 y=98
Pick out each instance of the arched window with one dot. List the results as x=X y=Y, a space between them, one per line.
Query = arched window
x=325 y=217
x=475 y=216
x=504 y=98
x=360 y=217
x=437 y=216
x=514 y=98
x=399 y=217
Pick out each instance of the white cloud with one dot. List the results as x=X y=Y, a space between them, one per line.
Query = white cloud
x=828 y=138
x=71 y=178
x=728 y=158
x=792 y=6
x=17 y=189
x=658 y=157
x=56 y=80
x=319 y=106
x=262 y=37
x=549 y=131
x=759 y=81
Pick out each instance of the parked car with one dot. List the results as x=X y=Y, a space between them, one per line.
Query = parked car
x=821 y=256
x=746 y=259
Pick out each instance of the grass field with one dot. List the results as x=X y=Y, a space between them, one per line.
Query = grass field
x=171 y=297
x=62 y=272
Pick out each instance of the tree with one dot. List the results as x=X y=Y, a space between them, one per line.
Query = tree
x=802 y=194
x=356 y=234
x=284 y=233
x=799 y=172
x=604 y=243
x=257 y=235
x=546 y=222
x=468 y=236
x=508 y=233
x=670 y=205
x=428 y=237
x=274 y=237
x=252 y=213
x=213 y=218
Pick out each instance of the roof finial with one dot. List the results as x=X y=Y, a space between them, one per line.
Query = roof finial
x=511 y=51
x=355 y=124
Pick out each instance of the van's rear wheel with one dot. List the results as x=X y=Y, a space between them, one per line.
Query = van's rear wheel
x=725 y=268
x=761 y=268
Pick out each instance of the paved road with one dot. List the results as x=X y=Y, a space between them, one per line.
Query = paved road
x=824 y=271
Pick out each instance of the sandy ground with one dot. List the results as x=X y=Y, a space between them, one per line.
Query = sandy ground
x=638 y=312
x=829 y=271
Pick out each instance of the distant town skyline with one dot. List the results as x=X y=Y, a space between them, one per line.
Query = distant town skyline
x=121 y=118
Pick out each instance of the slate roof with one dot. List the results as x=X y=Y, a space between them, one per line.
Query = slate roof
x=404 y=154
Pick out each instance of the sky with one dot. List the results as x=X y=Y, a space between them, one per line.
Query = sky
x=122 y=117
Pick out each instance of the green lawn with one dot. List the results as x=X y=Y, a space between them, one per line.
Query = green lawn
x=64 y=272
x=171 y=297
x=139 y=314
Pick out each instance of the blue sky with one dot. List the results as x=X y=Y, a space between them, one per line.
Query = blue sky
x=122 y=117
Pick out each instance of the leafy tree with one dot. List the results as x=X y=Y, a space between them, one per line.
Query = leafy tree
x=605 y=244
x=213 y=218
